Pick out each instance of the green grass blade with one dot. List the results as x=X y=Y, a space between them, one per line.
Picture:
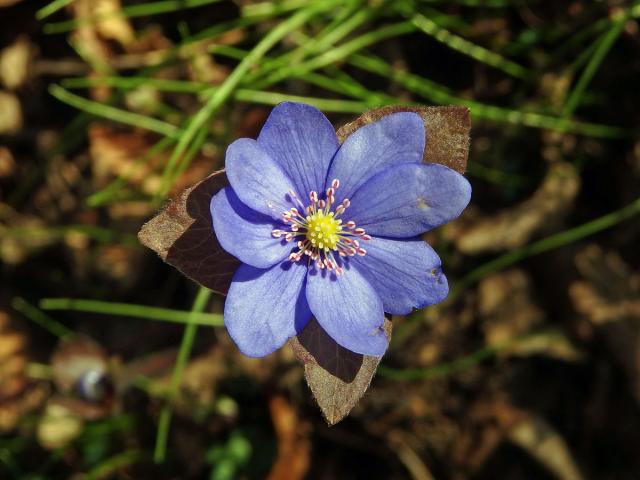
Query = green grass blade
x=549 y=243
x=221 y=94
x=114 y=114
x=441 y=95
x=111 y=192
x=442 y=370
x=186 y=345
x=603 y=46
x=339 y=53
x=468 y=48
x=132 y=310
x=130 y=11
x=40 y=318
x=51 y=8
x=327 y=105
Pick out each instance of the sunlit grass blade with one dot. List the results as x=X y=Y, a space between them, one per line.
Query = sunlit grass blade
x=132 y=310
x=442 y=370
x=129 y=11
x=466 y=47
x=112 y=192
x=325 y=104
x=442 y=95
x=338 y=53
x=241 y=94
x=604 y=44
x=114 y=114
x=222 y=93
x=463 y=363
x=99 y=234
x=110 y=467
x=40 y=318
x=51 y=8
x=549 y=243
x=186 y=345
x=325 y=40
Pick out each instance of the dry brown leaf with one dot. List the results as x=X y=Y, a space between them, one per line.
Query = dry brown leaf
x=116 y=153
x=399 y=442
x=514 y=227
x=540 y=440
x=59 y=426
x=294 y=445
x=20 y=235
x=610 y=298
x=506 y=306
x=100 y=20
x=10 y=114
x=509 y=315
x=15 y=61
x=13 y=360
x=18 y=396
x=7 y=163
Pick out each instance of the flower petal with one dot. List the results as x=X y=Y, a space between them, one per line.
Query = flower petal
x=302 y=142
x=405 y=274
x=348 y=309
x=264 y=308
x=245 y=233
x=409 y=199
x=258 y=181
x=396 y=139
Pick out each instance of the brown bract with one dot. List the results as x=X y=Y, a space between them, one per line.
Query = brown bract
x=183 y=236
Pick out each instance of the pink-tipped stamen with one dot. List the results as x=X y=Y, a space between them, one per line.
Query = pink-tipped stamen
x=311 y=238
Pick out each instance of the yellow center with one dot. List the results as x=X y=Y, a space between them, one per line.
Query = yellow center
x=323 y=230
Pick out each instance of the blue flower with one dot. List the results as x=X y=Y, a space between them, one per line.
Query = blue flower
x=331 y=231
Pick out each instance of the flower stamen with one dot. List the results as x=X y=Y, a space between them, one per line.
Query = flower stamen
x=319 y=232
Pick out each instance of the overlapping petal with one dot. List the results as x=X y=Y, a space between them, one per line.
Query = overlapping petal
x=266 y=307
x=348 y=309
x=396 y=139
x=301 y=140
x=245 y=233
x=406 y=274
x=393 y=195
x=259 y=182
x=407 y=200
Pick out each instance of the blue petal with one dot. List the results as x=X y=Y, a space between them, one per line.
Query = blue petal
x=396 y=139
x=258 y=181
x=348 y=309
x=409 y=199
x=265 y=308
x=245 y=233
x=302 y=141
x=405 y=274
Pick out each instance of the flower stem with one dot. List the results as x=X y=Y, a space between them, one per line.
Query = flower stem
x=186 y=345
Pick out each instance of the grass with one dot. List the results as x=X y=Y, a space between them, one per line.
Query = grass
x=333 y=55
x=314 y=62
